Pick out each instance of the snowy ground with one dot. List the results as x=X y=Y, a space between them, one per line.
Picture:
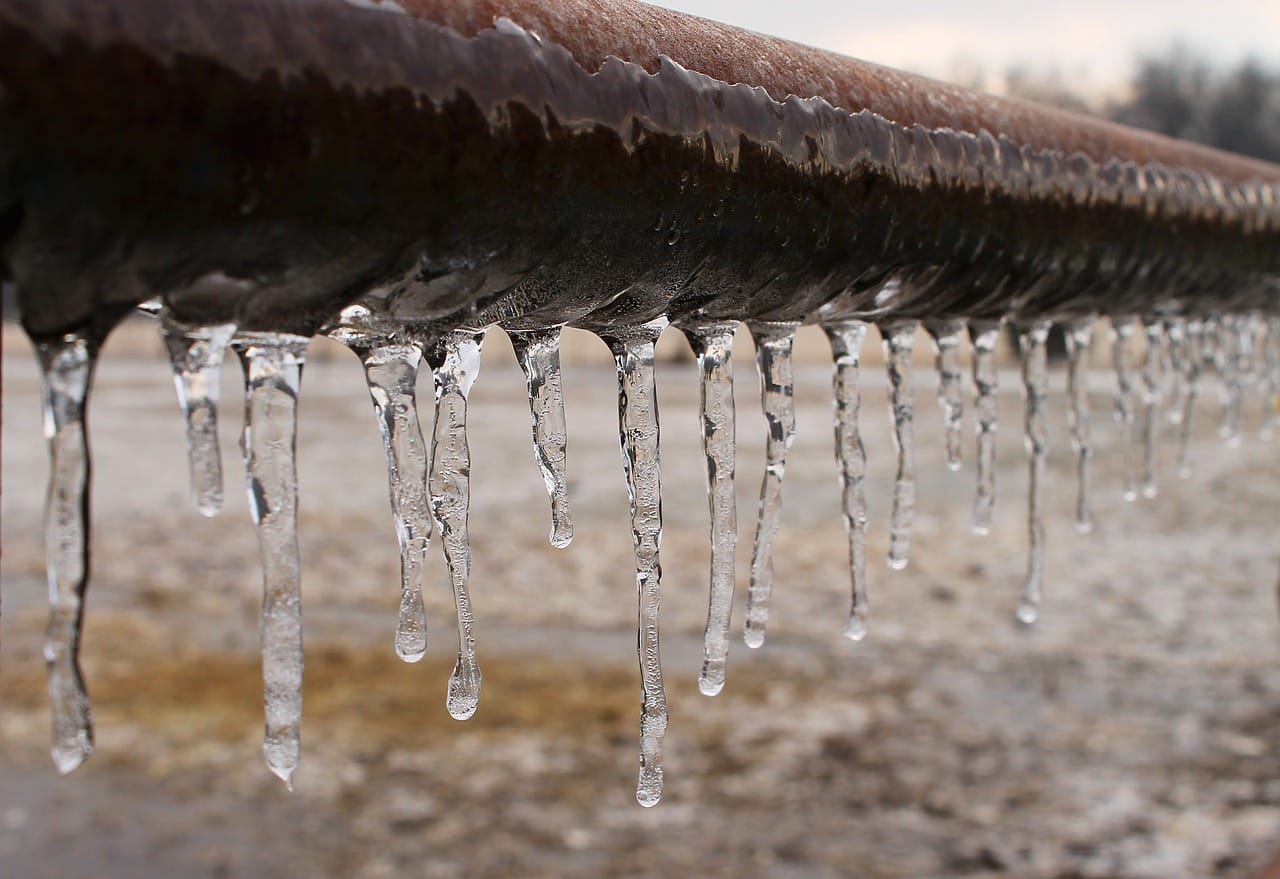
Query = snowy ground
x=1130 y=734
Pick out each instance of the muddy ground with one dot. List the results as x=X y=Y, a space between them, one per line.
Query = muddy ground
x=1132 y=733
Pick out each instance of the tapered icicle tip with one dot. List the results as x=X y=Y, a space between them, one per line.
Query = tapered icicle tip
x=464 y=688
x=856 y=628
x=68 y=755
x=411 y=634
x=284 y=772
x=753 y=637
x=711 y=681
x=1028 y=612
x=649 y=787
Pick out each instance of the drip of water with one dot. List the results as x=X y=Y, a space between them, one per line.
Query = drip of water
x=986 y=381
x=846 y=339
x=947 y=336
x=898 y=341
x=391 y=365
x=273 y=378
x=773 y=362
x=67 y=366
x=632 y=349
x=1192 y=364
x=1151 y=378
x=1079 y=337
x=1124 y=330
x=713 y=346
x=195 y=353
x=1031 y=344
x=539 y=354
x=456 y=362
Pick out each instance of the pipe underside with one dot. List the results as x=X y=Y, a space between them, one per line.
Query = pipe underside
x=536 y=163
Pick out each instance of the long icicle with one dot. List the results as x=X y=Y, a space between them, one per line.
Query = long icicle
x=273 y=378
x=774 y=342
x=1078 y=334
x=195 y=353
x=846 y=338
x=1035 y=384
x=1151 y=393
x=713 y=346
x=984 y=335
x=539 y=354
x=1193 y=365
x=898 y=341
x=391 y=364
x=455 y=360
x=947 y=336
x=632 y=349
x=67 y=366
x=1124 y=329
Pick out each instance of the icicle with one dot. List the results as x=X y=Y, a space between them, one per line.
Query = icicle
x=1175 y=334
x=456 y=361
x=898 y=342
x=773 y=362
x=195 y=354
x=947 y=336
x=273 y=377
x=67 y=366
x=984 y=335
x=1031 y=343
x=1271 y=380
x=391 y=368
x=713 y=346
x=846 y=340
x=1125 y=400
x=638 y=431
x=1192 y=364
x=1151 y=376
x=539 y=354
x=1078 y=334
x=1228 y=359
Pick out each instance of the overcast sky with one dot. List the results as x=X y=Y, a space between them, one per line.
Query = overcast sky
x=936 y=38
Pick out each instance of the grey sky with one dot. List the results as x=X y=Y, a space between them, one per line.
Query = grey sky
x=1095 y=40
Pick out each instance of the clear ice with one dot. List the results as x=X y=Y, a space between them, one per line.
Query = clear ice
x=195 y=353
x=1152 y=375
x=67 y=366
x=713 y=346
x=947 y=336
x=632 y=349
x=1192 y=366
x=1271 y=380
x=898 y=342
x=1078 y=335
x=455 y=360
x=1031 y=344
x=273 y=377
x=986 y=382
x=391 y=363
x=846 y=339
x=774 y=342
x=539 y=354
x=1124 y=330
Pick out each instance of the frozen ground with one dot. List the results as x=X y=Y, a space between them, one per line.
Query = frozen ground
x=1130 y=734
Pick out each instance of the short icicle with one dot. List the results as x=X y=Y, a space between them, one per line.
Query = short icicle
x=1031 y=342
x=984 y=336
x=67 y=366
x=947 y=337
x=1126 y=399
x=1078 y=334
x=774 y=342
x=1192 y=366
x=898 y=342
x=713 y=346
x=1175 y=336
x=195 y=353
x=846 y=339
x=273 y=378
x=391 y=365
x=455 y=360
x=1152 y=375
x=539 y=354
x=632 y=349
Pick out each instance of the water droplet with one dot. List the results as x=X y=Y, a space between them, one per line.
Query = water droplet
x=947 y=336
x=846 y=339
x=773 y=363
x=1078 y=334
x=898 y=342
x=713 y=346
x=273 y=378
x=539 y=354
x=455 y=360
x=67 y=366
x=986 y=378
x=195 y=354
x=1031 y=343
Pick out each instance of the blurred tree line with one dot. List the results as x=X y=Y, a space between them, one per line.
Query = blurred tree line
x=1180 y=94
